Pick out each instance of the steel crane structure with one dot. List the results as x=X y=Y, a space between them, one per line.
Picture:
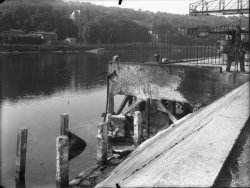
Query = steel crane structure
x=225 y=7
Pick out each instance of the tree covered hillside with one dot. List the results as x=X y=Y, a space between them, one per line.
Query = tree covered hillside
x=91 y=23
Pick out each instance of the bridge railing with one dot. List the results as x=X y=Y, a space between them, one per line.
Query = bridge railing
x=197 y=44
x=219 y=6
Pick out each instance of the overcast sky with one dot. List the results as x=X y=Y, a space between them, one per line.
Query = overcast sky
x=170 y=6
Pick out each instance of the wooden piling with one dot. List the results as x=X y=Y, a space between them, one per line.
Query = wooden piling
x=123 y=104
x=102 y=141
x=162 y=108
x=137 y=128
x=172 y=109
x=111 y=104
x=19 y=184
x=134 y=106
x=64 y=124
x=147 y=111
x=21 y=154
x=118 y=121
x=62 y=161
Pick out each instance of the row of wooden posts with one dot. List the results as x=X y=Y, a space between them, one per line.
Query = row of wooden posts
x=62 y=155
x=62 y=141
x=62 y=148
x=102 y=136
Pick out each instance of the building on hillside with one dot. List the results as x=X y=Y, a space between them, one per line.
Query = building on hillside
x=49 y=37
x=74 y=14
x=15 y=32
x=32 y=39
x=7 y=36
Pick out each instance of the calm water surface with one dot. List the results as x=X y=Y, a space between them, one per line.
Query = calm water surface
x=35 y=90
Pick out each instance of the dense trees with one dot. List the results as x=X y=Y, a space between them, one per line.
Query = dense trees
x=95 y=24
x=36 y=16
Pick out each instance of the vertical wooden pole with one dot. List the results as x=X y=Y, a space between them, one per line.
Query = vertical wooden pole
x=137 y=128
x=21 y=154
x=102 y=141
x=64 y=124
x=62 y=161
x=172 y=106
x=148 y=114
x=111 y=104
x=130 y=100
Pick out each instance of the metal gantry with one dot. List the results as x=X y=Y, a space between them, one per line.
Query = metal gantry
x=225 y=7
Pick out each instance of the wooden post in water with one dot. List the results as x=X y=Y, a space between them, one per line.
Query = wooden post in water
x=137 y=128
x=62 y=161
x=102 y=141
x=21 y=154
x=64 y=124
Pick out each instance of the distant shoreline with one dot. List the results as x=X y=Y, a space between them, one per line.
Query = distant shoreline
x=20 y=48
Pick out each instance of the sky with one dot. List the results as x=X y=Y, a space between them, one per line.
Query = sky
x=169 y=6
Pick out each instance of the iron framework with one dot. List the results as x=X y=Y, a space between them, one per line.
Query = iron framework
x=202 y=45
x=225 y=7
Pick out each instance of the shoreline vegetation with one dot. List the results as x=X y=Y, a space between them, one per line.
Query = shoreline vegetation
x=57 y=22
x=22 y=48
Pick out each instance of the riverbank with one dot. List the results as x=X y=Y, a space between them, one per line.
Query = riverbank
x=16 y=48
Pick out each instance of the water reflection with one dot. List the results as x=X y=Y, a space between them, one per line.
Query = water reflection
x=35 y=90
x=30 y=75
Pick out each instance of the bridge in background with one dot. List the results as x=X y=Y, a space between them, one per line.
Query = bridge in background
x=225 y=7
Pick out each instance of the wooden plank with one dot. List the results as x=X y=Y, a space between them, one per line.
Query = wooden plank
x=132 y=107
x=123 y=104
x=192 y=152
x=162 y=108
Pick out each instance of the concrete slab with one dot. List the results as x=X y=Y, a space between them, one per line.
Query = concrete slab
x=175 y=82
x=189 y=153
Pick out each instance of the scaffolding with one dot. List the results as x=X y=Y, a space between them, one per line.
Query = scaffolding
x=225 y=7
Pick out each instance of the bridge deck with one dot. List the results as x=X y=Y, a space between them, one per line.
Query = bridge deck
x=189 y=153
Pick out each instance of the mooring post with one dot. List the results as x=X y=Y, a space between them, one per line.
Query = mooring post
x=64 y=124
x=62 y=161
x=102 y=141
x=137 y=128
x=21 y=154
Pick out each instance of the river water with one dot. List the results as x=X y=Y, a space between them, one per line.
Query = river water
x=35 y=90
